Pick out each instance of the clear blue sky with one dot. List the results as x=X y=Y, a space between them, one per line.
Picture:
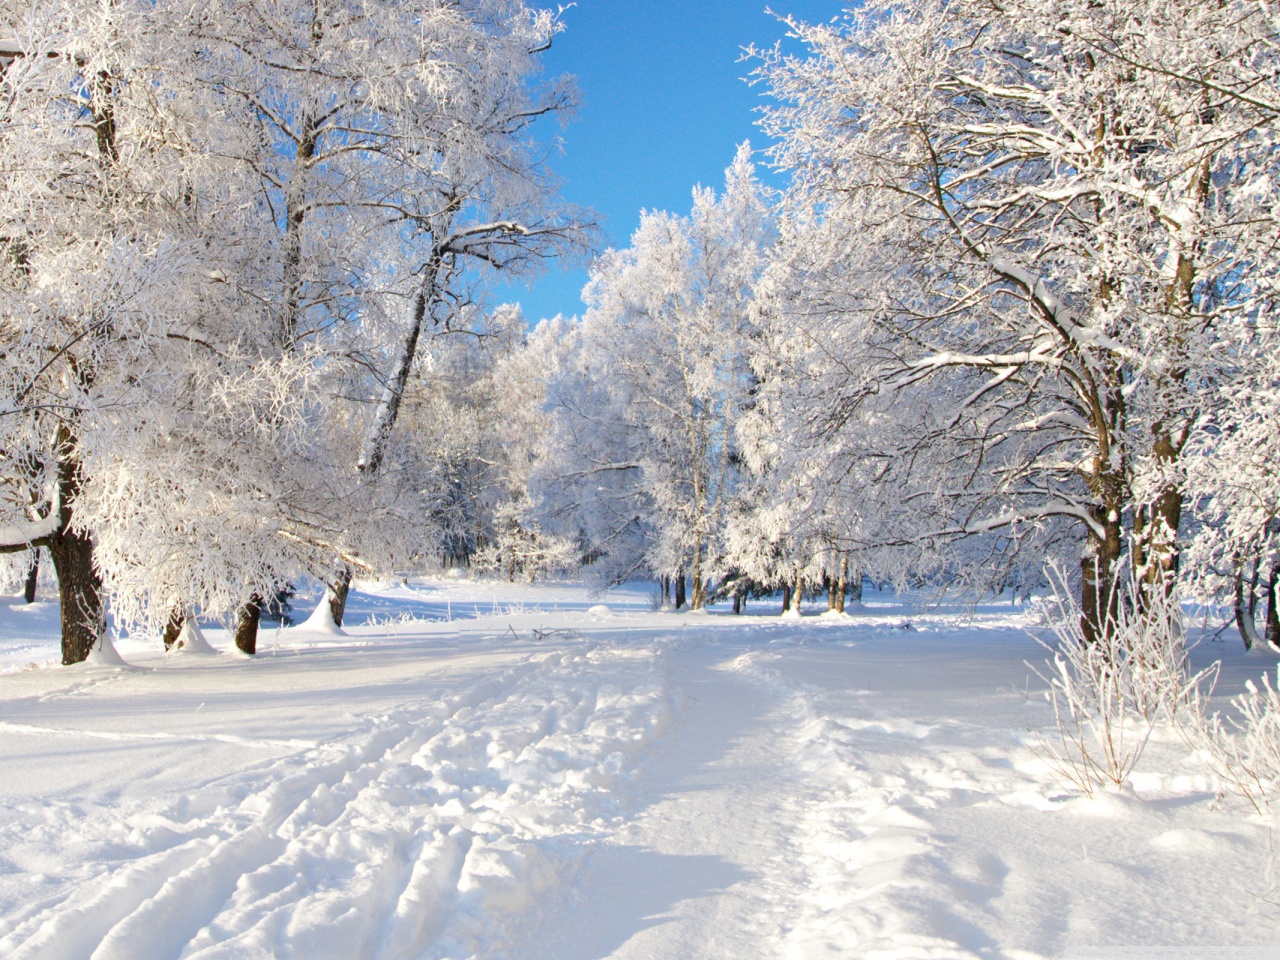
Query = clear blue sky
x=663 y=105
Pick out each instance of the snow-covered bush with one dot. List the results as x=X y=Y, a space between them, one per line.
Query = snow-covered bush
x=520 y=546
x=1243 y=747
x=1108 y=694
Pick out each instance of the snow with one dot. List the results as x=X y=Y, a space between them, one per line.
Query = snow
x=498 y=770
x=191 y=640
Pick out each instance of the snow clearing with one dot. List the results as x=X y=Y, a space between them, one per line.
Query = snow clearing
x=480 y=770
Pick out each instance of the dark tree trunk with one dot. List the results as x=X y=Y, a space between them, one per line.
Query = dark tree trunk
x=33 y=579
x=680 y=596
x=664 y=587
x=1099 y=591
x=84 y=621
x=247 y=625
x=80 y=592
x=1244 y=613
x=737 y=601
x=843 y=586
x=786 y=598
x=173 y=628
x=1273 y=615
x=340 y=588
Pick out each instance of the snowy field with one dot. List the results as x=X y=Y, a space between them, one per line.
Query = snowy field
x=494 y=771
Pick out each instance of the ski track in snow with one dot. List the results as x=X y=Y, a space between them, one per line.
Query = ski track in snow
x=645 y=787
x=436 y=832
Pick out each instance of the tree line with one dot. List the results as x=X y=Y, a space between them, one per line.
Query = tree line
x=1015 y=306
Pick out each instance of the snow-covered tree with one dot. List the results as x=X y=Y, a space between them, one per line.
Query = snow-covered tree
x=1233 y=478
x=102 y=274
x=648 y=410
x=1025 y=229
x=402 y=130
x=227 y=229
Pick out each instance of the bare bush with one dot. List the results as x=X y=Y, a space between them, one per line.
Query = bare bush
x=1108 y=694
x=1242 y=748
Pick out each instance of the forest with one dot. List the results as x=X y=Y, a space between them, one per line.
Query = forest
x=1013 y=313
x=883 y=561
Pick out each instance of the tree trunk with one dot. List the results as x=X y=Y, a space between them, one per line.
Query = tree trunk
x=831 y=584
x=1099 y=592
x=699 y=598
x=247 y=625
x=1273 y=615
x=786 y=597
x=798 y=593
x=1244 y=618
x=680 y=595
x=33 y=578
x=1156 y=558
x=339 y=590
x=737 y=600
x=842 y=586
x=80 y=592
x=664 y=588
x=385 y=417
x=174 y=627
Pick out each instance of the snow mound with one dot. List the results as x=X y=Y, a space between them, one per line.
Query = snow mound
x=599 y=610
x=192 y=641
x=321 y=621
x=104 y=654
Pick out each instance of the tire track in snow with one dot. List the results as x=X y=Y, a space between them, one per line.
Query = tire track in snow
x=441 y=824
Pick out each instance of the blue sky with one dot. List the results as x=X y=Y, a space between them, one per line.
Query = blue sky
x=663 y=106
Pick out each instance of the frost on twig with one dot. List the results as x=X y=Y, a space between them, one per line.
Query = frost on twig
x=1108 y=695
x=1242 y=746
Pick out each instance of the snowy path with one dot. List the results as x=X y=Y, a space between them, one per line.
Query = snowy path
x=700 y=869
x=577 y=785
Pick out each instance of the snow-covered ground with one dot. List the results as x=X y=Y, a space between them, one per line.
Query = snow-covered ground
x=495 y=771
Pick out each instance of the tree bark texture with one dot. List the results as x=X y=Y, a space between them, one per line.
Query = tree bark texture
x=247 y=619
x=1099 y=591
x=1272 y=634
x=80 y=593
x=173 y=628
x=699 y=598
x=842 y=586
x=32 y=580
x=340 y=588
